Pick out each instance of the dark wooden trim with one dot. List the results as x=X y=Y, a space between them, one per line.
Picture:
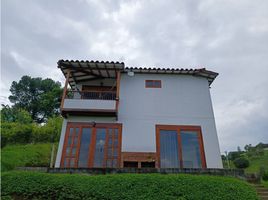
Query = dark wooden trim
x=118 y=77
x=89 y=112
x=153 y=81
x=65 y=89
x=93 y=126
x=180 y=128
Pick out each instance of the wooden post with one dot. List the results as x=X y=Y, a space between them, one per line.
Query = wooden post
x=118 y=76
x=65 y=89
x=52 y=155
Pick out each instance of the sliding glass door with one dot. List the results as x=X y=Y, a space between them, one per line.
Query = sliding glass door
x=180 y=146
x=169 y=156
x=87 y=146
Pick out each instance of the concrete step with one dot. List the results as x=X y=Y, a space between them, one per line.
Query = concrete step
x=262 y=190
x=263 y=197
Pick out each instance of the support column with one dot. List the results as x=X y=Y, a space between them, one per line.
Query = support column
x=118 y=76
x=65 y=89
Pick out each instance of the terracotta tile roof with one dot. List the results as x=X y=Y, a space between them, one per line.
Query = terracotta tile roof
x=88 y=70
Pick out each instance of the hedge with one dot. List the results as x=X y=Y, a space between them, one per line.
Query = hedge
x=34 y=185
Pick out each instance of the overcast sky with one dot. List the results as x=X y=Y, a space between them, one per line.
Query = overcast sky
x=229 y=37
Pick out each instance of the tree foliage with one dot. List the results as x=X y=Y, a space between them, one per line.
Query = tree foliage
x=241 y=162
x=40 y=97
x=12 y=114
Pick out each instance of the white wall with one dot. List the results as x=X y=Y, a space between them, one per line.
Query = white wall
x=89 y=104
x=182 y=100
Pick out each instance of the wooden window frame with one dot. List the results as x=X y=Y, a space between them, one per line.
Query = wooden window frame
x=153 y=83
x=92 y=144
x=180 y=128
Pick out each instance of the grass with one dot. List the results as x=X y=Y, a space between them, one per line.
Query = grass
x=34 y=185
x=257 y=162
x=25 y=155
x=265 y=184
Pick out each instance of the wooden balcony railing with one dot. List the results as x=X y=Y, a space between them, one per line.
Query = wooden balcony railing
x=96 y=95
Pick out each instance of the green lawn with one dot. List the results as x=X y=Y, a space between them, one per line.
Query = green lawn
x=25 y=155
x=34 y=185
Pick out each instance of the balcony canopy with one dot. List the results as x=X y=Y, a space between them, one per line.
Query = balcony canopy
x=81 y=71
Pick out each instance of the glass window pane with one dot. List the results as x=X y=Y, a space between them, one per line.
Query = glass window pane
x=69 y=141
x=149 y=83
x=76 y=131
x=109 y=163
x=116 y=133
x=157 y=83
x=71 y=132
x=73 y=151
x=75 y=141
x=109 y=153
x=66 y=162
x=84 y=147
x=68 y=149
x=99 y=149
x=169 y=157
x=72 y=162
x=191 y=154
x=115 y=163
x=115 y=152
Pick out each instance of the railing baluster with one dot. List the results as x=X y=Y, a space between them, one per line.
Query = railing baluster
x=101 y=95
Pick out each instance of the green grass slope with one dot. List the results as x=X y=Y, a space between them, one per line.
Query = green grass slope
x=30 y=185
x=257 y=162
x=25 y=155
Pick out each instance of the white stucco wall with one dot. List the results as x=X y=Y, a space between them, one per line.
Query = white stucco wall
x=182 y=100
x=89 y=104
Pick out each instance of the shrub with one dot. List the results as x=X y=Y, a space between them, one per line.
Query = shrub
x=241 y=162
x=33 y=185
x=265 y=176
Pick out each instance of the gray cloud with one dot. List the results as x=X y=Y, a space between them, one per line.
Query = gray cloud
x=229 y=37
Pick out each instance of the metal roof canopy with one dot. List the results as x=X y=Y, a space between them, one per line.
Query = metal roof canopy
x=81 y=71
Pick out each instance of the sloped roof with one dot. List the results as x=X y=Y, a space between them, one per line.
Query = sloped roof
x=90 y=70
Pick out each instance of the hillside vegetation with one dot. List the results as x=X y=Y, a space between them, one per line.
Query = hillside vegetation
x=257 y=162
x=25 y=155
x=29 y=185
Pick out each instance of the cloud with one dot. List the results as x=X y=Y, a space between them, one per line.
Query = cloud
x=229 y=37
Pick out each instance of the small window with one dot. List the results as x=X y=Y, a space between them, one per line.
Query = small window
x=153 y=83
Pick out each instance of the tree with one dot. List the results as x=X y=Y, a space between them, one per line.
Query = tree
x=11 y=114
x=40 y=97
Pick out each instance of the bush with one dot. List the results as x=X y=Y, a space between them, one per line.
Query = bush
x=22 y=133
x=33 y=185
x=265 y=176
x=241 y=162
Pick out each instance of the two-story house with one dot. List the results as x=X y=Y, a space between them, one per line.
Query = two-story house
x=117 y=116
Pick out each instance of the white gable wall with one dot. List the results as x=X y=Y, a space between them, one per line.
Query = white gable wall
x=182 y=100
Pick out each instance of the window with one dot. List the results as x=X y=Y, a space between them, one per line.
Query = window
x=87 y=146
x=180 y=146
x=153 y=83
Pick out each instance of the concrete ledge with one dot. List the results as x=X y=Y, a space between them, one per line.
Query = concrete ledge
x=219 y=172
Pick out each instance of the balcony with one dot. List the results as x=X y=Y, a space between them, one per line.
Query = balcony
x=90 y=103
x=91 y=88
